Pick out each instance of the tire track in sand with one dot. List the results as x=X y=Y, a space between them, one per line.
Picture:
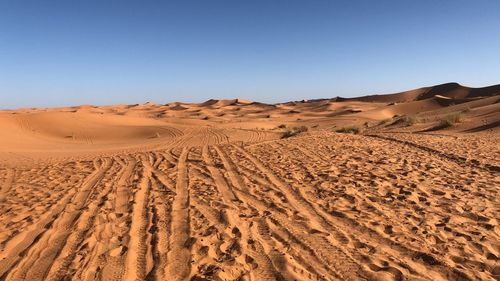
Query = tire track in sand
x=448 y=156
x=392 y=248
x=265 y=269
x=123 y=189
x=139 y=260
x=305 y=243
x=84 y=227
x=37 y=260
x=162 y=190
x=18 y=246
x=179 y=256
x=219 y=180
x=343 y=264
x=113 y=227
x=9 y=181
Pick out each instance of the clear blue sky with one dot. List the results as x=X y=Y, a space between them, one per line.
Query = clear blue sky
x=68 y=52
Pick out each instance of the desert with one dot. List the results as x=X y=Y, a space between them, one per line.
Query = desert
x=400 y=186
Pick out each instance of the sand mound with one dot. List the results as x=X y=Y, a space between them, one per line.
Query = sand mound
x=223 y=103
x=450 y=90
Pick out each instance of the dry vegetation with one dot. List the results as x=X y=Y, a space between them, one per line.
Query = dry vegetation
x=294 y=131
x=448 y=121
x=406 y=121
x=351 y=130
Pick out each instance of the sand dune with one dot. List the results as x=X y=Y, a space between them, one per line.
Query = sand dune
x=451 y=90
x=212 y=191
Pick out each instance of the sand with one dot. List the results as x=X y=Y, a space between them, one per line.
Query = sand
x=211 y=191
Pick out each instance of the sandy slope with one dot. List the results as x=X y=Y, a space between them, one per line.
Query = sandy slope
x=210 y=192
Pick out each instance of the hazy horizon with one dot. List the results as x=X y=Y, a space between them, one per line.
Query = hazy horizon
x=108 y=52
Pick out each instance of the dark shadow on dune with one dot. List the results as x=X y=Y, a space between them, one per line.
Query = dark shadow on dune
x=483 y=127
x=437 y=127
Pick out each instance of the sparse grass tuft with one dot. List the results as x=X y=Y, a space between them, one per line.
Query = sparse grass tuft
x=443 y=124
x=406 y=121
x=294 y=131
x=455 y=118
x=351 y=130
x=448 y=121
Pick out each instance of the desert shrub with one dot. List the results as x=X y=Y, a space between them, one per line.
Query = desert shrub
x=444 y=123
x=351 y=130
x=294 y=131
x=448 y=121
x=408 y=120
x=454 y=118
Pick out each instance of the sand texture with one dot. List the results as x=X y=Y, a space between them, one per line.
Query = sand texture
x=212 y=191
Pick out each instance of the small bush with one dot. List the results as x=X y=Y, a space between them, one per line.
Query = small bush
x=445 y=123
x=448 y=121
x=454 y=118
x=351 y=130
x=294 y=131
x=407 y=121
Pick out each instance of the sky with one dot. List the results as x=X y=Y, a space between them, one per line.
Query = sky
x=69 y=52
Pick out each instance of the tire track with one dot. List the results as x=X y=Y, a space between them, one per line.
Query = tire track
x=164 y=179
x=139 y=260
x=116 y=231
x=18 y=246
x=448 y=156
x=384 y=244
x=344 y=265
x=236 y=180
x=59 y=269
x=6 y=186
x=265 y=269
x=302 y=238
x=160 y=228
x=37 y=261
x=179 y=256
x=123 y=189
x=162 y=191
x=289 y=226
x=227 y=195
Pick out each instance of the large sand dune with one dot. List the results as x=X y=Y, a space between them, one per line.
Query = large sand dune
x=212 y=191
